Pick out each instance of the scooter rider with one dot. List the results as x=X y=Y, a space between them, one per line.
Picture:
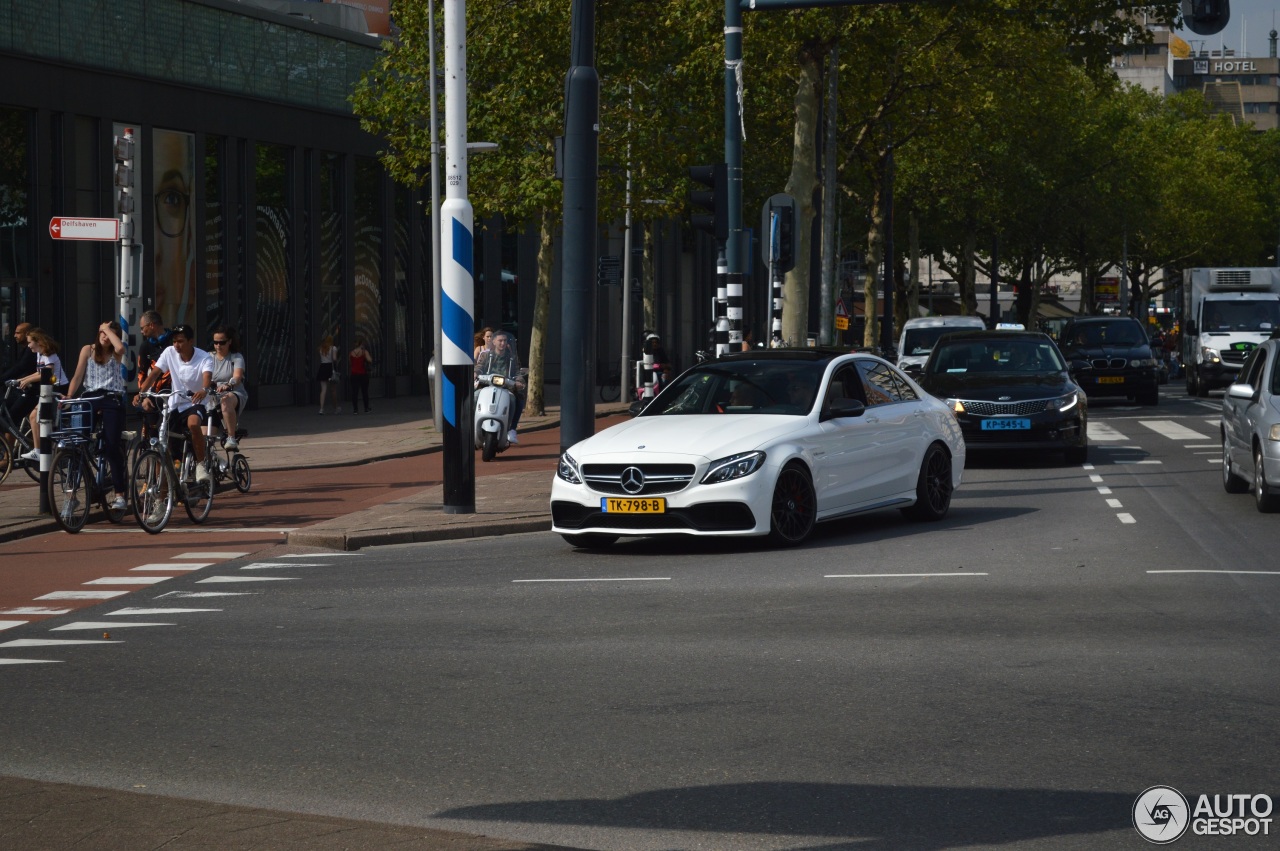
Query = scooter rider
x=503 y=360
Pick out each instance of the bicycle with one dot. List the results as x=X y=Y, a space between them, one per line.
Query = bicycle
x=20 y=433
x=157 y=480
x=78 y=476
x=610 y=387
x=233 y=466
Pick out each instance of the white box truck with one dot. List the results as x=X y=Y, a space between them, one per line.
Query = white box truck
x=1226 y=313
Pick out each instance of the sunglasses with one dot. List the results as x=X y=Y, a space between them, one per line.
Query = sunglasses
x=220 y=342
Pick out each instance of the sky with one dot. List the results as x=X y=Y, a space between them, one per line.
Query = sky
x=1257 y=18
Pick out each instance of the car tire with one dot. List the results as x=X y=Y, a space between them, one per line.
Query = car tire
x=933 y=486
x=1202 y=388
x=1266 y=501
x=794 y=511
x=590 y=540
x=1231 y=483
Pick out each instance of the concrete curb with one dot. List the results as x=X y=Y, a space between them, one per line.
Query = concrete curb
x=349 y=541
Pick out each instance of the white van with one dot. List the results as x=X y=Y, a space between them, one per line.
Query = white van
x=919 y=335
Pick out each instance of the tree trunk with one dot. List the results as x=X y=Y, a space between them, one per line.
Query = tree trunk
x=801 y=186
x=647 y=285
x=541 y=316
x=908 y=306
x=969 y=272
x=874 y=264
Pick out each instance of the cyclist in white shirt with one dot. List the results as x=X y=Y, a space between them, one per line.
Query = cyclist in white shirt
x=191 y=370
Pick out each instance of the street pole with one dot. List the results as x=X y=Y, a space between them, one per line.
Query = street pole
x=826 y=321
x=624 y=380
x=578 y=278
x=457 y=275
x=437 y=375
x=734 y=257
x=995 y=277
x=886 y=330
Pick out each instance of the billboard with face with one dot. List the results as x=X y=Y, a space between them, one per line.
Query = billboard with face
x=172 y=166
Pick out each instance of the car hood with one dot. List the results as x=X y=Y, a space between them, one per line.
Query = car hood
x=995 y=387
x=696 y=436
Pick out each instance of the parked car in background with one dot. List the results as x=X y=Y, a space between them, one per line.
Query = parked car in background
x=766 y=442
x=1009 y=390
x=1111 y=357
x=1251 y=428
x=919 y=335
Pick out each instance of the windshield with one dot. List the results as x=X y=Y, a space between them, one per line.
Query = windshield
x=1120 y=333
x=1224 y=316
x=920 y=341
x=996 y=356
x=765 y=386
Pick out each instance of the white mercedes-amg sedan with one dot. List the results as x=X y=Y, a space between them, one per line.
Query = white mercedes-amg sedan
x=767 y=442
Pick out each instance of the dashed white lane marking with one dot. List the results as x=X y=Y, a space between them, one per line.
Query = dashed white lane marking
x=56 y=642
x=1103 y=433
x=604 y=579
x=86 y=625
x=1245 y=572
x=82 y=595
x=140 y=611
x=35 y=610
x=1126 y=518
x=211 y=554
x=1114 y=503
x=1172 y=430
x=1143 y=461
x=29 y=661
x=272 y=565
x=206 y=594
x=219 y=579
x=895 y=575
x=11 y=624
x=172 y=566
x=1104 y=490
x=1203 y=446
x=127 y=580
x=1095 y=478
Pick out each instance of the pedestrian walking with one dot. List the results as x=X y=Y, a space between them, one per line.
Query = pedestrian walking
x=361 y=364
x=327 y=374
x=99 y=375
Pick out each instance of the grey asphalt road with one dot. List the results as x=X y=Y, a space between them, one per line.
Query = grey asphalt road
x=1020 y=693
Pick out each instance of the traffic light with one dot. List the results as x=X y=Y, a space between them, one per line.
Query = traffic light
x=778 y=224
x=716 y=179
x=1206 y=17
x=124 y=174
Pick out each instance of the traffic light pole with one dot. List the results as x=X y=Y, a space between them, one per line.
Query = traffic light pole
x=732 y=253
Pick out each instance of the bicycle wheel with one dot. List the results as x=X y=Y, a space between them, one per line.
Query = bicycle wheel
x=6 y=461
x=243 y=475
x=68 y=490
x=610 y=388
x=151 y=489
x=197 y=496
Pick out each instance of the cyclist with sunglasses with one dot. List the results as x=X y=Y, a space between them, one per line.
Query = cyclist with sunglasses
x=228 y=374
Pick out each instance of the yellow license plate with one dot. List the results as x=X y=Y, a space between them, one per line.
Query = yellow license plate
x=629 y=505
x=1111 y=379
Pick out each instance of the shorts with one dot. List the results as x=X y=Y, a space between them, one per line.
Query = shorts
x=178 y=419
x=325 y=372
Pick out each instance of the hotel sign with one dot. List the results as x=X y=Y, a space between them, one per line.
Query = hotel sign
x=1224 y=66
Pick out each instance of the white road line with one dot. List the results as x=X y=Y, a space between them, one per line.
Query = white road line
x=604 y=579
x=206 y=594
x=1126 y=518
x=1203 y=446
x=214 y=554
x=11 y=624
x=55 y=642
x=190 y=565
x=271 y=565
x=1086 y=466
x=82 y=595
x=126 y=580
x=1172 y=430
x=1095 y=478
x=1100 y=432
x=220 y=579
x=82 y=625
x=1114 y=503
x=1145 y=461
x=29 y=661
x=1245 y=572
x=894 y=575
x=141 y=611
x=35 y=610
x=1104 y=490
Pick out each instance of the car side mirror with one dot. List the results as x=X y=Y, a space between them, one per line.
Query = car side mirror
x=913 y=369
x=1079 y=365
x=638 y=406
x=843 y=408
x=1242 y=391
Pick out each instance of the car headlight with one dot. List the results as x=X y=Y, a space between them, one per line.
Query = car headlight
x=956 y=406
x=1140 y=362
x=733 y=467
x=1274 y=432
x=1063 y=403
x=568 y=469
x=1210 y=355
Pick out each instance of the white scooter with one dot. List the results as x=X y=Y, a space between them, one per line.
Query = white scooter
x=495 y=408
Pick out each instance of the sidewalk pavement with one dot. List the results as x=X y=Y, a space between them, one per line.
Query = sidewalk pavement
x=297 y=438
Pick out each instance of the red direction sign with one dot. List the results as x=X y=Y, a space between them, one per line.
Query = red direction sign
x=66 y=227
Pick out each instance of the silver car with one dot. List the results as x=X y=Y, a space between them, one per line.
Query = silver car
x=1251 y=428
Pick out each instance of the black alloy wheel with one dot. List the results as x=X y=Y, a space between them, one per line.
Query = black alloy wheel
x=933 y=486
x=795 y=507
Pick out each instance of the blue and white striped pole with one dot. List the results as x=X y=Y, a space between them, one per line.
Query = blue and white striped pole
x=457 y=275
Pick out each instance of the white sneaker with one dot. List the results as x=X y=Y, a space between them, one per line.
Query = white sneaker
x=156 y=515
x=232 y=444
x=511 y=437
x=69 y=510
x=119 y=504
x=202 y=475
x=33 y=455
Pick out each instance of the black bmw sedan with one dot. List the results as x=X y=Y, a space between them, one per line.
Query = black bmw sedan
x=1009 y=390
